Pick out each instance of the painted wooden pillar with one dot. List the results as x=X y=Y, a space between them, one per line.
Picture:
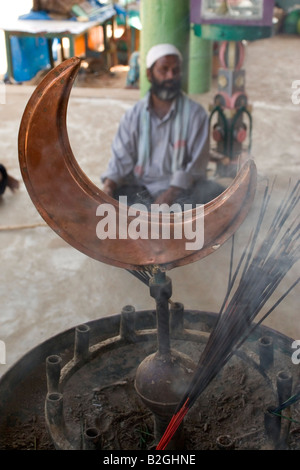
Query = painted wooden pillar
x=200 y=64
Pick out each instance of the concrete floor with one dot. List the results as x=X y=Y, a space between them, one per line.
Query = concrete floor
x=46 y=286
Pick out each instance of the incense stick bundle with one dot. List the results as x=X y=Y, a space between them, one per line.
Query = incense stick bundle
x=263 y=271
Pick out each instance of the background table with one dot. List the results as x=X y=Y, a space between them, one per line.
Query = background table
x=49 y=29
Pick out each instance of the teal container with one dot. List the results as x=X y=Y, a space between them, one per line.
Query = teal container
x=222 y=32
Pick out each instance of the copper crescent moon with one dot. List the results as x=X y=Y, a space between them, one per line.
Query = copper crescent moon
x=67 y=200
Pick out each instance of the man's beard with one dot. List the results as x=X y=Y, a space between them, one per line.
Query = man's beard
x=166 y=90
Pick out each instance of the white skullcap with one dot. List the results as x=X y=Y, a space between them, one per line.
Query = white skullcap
x=160 y=50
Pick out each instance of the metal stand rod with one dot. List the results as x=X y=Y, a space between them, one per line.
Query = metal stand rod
x=161 y=291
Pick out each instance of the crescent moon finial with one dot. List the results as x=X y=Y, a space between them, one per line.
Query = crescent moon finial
x=68 y=200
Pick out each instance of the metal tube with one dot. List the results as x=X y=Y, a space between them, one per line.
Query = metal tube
x=53 y=368
x=82 y=338
x=54 y=408
x=54 y=414
x=272 y=424
x=225 y=442
x=92 y=439
x=266 y=351
x=127 y=323
x=284 y=382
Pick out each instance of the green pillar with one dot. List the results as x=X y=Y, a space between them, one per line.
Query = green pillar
x=200 y=64
x=164 y=21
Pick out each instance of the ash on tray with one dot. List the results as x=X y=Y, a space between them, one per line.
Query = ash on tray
x=102 y=394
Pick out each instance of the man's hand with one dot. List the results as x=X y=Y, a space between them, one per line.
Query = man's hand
x=109 y=187
x=168 y=196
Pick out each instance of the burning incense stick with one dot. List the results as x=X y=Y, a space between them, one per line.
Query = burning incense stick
x=263 y=271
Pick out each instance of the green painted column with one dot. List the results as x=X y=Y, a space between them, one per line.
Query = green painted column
x=164 y=21
x=200 y=64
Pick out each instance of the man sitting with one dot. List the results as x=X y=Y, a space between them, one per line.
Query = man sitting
x=161 y=149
